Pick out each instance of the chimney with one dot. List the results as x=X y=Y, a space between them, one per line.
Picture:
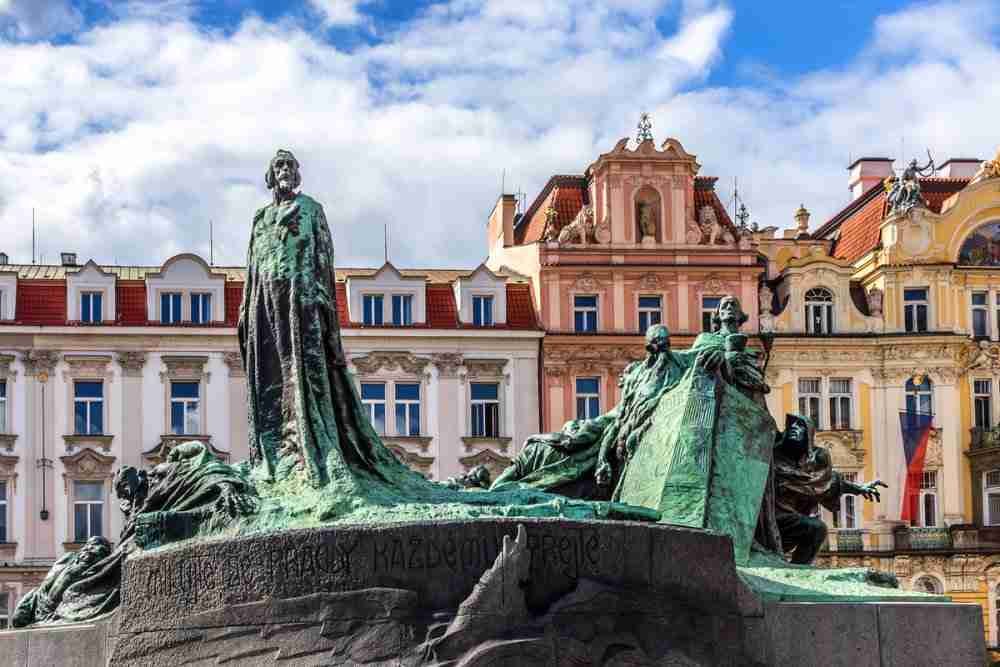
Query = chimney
x=865 y=172
x=959 y=167
x=68 y=258
x=501 y=224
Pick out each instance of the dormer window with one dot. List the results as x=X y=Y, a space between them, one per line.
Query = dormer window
x=170 y=307
x=373 y=304
x=482 y=311
x=201 y=307
x=91 y=306
x=819 y=311
x=402 y=309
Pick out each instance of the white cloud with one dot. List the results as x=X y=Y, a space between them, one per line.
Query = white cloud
x=338 y=12
x=30 y=19
x=130 y=139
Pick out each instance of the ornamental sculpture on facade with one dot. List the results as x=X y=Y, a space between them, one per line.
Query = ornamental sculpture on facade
x=581 y=230
x=904 y=192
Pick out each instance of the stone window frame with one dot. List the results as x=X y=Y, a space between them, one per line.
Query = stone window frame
x=639 y=309
x=88 y=368
x=479 y=293
x=364 y=309
x=389 y=368
x=8 y=375
x=928 y=303
x=483 y=370
x=86 y=465
x=825 y=422
x=596 y=310
x=8 y=474
x=185 y=368
x=601 y=399
x=985 y=497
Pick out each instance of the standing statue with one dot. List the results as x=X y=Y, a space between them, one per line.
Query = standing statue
x=725 y=350
x=647 y=221
x=904 y=192
x=305 y=413
x=805 y=479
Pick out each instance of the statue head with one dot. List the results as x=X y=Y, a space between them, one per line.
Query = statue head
x=93 y=550
x=797 y=428
x=657 y=339
x=729 y=312
x=480 y=476
x=131 y=486
x=283 y=175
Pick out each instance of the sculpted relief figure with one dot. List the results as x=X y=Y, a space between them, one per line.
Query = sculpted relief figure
x=581 y=230
x=647 y=220
x=805 y=479
x=583 y=459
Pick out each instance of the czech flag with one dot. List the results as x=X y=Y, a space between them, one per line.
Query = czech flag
x=916 y=428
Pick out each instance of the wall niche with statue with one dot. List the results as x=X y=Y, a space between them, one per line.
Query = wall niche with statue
x=648 y=210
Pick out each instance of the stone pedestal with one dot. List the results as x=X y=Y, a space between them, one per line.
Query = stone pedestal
x=471 y=593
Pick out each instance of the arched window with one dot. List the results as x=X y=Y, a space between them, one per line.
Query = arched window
x=819 y=311
x=928 y=584
x=919 y=396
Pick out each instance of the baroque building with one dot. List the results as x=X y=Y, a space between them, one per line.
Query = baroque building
x=638 y=238
x=104 y=366
x=893 y=306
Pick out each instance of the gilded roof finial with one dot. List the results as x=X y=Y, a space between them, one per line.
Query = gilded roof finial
x=645 y=129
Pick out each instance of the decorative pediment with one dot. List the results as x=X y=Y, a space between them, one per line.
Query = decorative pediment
x=421 y=464
x=587 y=282
x=845 y=447
x=159 y=452
x=494 y=462
x=649 y=281
x=87 y=463
x=40 y=363
x=485 y=367
x=715 y=285
x=373 y=362
x=184 y=367
x=87 y=366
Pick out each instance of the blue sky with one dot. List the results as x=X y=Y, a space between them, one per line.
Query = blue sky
x=128 y=124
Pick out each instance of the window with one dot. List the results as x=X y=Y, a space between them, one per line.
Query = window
x=402 y=309
x=3 y=305
x=485 y=410
x=919 y=396
x=588 y=398
x=980 y=314
x=407 y=408
x=846 y=517
x=982 y=398
x=170 y=307
x=4 y=610
x=810 y=397
x=819 y=311
x=185 y=412
x=201 y=308
x=840 y=403
x=373 y=309
x=991 y=491
x=88 y=510
x=708 y=306
x=373 y=398
x=585 y=313
x=650 y=312
x=3 y=406
x=91 y=307
x=482 y=311
x=915 y=308
x=928 y=498
x=88 y=407
x=3 y=511
x=927 y=584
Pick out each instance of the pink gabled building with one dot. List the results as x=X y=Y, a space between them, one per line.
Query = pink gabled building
x=638 y=238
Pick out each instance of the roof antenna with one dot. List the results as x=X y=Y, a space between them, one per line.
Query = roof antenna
x=503 y=181
x=32 y=235
x=211 y=243
x=386 y=238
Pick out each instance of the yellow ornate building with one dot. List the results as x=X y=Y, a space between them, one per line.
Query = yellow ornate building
x=892 y=305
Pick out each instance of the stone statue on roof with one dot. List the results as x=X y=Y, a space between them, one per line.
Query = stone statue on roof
x=581 y=230
x=904 y=192
x=988 y=169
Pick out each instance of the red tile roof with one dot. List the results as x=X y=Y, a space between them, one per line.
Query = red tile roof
x=131 y=297
x=856 y=226
x=441 y=310
x=41 y=302
x=704 y=193
x=520 y=308
x=567 y=193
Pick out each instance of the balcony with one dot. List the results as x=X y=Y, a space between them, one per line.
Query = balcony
x=912 y=538
x=984 y=438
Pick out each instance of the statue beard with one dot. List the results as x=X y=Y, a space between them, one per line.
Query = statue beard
x=284 y=189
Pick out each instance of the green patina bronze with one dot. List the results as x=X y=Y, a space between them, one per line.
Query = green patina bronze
x=690 y=443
